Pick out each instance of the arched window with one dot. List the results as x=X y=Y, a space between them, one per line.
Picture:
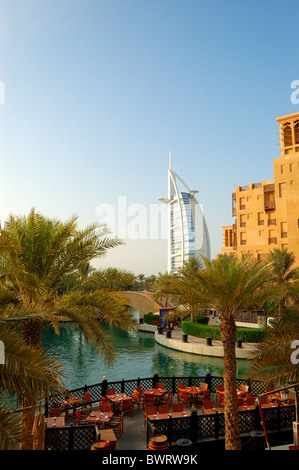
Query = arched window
x=287 y=135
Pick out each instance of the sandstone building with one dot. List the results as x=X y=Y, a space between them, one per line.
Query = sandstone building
x=267 y=213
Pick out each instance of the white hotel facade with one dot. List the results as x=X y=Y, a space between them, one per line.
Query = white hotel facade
x=188 y=234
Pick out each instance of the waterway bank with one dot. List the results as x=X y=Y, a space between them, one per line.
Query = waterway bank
x=195 y=345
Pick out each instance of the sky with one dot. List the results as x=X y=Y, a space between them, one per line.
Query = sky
x=94 y=94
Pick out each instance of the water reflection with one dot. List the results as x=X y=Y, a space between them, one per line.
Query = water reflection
x=138 y=355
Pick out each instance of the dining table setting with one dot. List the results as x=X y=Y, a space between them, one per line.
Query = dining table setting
x=168 y=414
x=97 y=417
x=55 y=421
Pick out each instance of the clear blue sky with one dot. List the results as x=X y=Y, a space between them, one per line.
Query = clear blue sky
x=97 y=92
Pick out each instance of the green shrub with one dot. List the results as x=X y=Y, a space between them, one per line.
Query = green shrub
x=202 y=319
x=200 y=330
x=251 y=335
x=248 y=335
x=150 y=317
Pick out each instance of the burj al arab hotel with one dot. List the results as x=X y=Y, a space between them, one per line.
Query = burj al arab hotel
x=188 y=234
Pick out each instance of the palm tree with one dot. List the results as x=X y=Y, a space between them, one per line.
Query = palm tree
x=284 y=275
x=273 y=360
x=28 y=370
x=228 y=285
x=47 y=254
x=179 y=288
x=40 y=259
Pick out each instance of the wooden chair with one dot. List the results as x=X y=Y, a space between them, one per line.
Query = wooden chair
x=207 y=405
x=184 y=397
x=126 y=406
x=54 y=412
x=79 y=420
x=149 y=400
x=204 y=395
x=178 y=407
x=264 y=400
x=166 y=398
x=103 y=401
x=219 y=388
x=105 y=408
x=159 y=385
x=86 y=400
x=149 y=410
x=203 y=386
x=117 y=424
x=136 y=399
x=163 y=408
x=180 y=386
x=244 y=390
x=110 y=391
x=250 y=400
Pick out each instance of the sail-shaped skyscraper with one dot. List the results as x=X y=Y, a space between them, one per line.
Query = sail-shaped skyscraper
x=188 y=234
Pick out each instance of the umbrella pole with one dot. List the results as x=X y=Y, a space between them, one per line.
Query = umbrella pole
x=263 y=424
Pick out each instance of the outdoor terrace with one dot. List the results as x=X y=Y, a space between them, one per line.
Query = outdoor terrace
x=202 y=428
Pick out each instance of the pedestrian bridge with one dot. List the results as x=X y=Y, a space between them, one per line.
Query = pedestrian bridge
x=142 y=301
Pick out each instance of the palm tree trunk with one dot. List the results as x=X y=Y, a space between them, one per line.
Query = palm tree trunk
x=228 y=337
x=32 y=334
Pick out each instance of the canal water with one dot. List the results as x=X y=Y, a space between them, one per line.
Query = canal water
x=138 y=355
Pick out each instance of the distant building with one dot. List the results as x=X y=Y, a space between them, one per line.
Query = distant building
x=267 y=213
x=188 y=234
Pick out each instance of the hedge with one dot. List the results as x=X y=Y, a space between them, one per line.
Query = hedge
x=150 y=317
x=248 y=335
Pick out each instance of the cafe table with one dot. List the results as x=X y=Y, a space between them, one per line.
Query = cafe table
x=55 y=421
x=221 y=394
x=172 y=414
x=116 y=398
x=157 y=392
x=97 y=417
x=71 y=401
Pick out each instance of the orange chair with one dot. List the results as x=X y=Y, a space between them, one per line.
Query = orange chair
x=79 y=420
x=117 y=424
x=244 y=390
x=163 y=409
x=126 y=406
x=203 y=396
x=86 y=400
x=184 y=397
x=219 y=388
x=105 y=408
x=263 y=400
x=149 y=410
x=207 y=405
x=178 y=407
x=149 y=400
x=250 y=400
x=136 y=399
x=159 y=385
x=166 y=399
x=203 y=386
x=55 y=412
